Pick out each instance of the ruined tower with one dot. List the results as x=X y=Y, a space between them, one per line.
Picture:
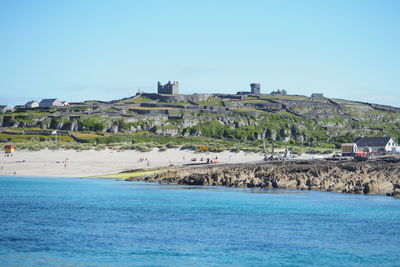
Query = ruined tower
x=168 y=88
x=255 y=88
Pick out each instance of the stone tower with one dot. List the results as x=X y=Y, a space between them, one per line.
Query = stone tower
x=255 y=88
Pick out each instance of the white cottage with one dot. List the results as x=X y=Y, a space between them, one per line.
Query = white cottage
x=51 y=102
x=5 y=108
x=32 y=104
x=376 y=143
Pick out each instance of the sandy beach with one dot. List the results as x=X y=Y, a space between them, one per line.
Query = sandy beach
x=71 y=163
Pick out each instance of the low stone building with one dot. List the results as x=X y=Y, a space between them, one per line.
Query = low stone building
x=317 y=95
x=177 y=98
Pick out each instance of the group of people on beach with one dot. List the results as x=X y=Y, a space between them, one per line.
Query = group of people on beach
x=144 y=160
x=208 y=160
x=194 y=159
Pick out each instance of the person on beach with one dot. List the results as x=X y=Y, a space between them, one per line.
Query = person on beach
x=65 y=163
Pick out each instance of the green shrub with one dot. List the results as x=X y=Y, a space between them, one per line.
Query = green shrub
x=189 y=147
x=93 y=124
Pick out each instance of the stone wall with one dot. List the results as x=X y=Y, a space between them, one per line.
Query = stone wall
x=177 y=98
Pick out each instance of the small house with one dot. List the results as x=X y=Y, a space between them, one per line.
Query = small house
x=317 y=95
x=32 y=104
x=349 y=149
x=5 y=108
x=65 y=104
x=51 y=102
x=383 y=144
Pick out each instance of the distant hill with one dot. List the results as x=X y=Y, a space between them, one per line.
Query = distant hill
x=292 y=119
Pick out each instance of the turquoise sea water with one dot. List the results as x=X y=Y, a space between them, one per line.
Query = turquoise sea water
x=94 y=222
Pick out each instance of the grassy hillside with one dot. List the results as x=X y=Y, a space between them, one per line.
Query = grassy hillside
x=221 y=121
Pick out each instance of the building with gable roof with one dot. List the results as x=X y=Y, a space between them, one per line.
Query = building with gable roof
x=5 y=108
x=50 y=102
x=376 y=143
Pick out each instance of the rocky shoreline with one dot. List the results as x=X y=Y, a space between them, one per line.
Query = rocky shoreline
x=379 y=176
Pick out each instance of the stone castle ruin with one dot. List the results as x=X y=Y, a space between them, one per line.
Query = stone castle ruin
x=255 y=88
x=168 y=88
x=279 y=92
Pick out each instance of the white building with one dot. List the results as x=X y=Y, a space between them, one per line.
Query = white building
x=349 y=149
x=5 y=108
x=51 y=102
x=376 y=143
x=32 y=104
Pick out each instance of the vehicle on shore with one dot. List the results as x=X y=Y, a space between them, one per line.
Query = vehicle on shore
x=361 y=156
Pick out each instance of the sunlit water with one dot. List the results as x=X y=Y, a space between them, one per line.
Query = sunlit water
x=93 y=222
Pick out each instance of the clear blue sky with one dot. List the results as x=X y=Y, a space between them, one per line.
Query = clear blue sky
x=78 y=50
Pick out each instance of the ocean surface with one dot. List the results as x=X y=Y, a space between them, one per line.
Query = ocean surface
x=98 y=222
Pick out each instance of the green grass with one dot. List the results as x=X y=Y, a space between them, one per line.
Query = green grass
x=256 y=101
x=319 y=133
x=87 y=135
x=285 y=97
x=145 y=143
x=139 y=100
x=211 y=103
x=176 y=103
x=27 y=114
x=246 y=110
x=335 y=119
x=126 y=175
x=152 y=108
x=35 y=137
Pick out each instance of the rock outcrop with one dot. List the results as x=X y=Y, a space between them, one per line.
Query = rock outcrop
x=376 y=176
